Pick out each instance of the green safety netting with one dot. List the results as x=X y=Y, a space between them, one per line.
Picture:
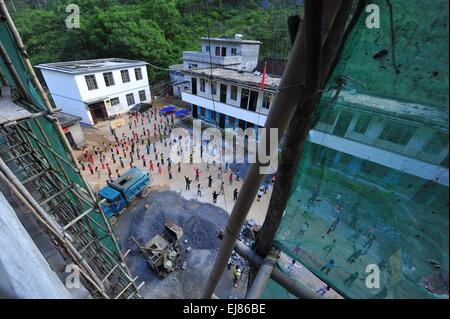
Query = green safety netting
x=48 y=126
x=370 y=197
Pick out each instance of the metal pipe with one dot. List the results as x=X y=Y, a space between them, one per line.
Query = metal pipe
x=263 y=275
x=295 y=288
x=280 y=114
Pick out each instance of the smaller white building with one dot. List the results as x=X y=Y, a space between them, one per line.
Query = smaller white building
x=232 y=53
x=97 y=89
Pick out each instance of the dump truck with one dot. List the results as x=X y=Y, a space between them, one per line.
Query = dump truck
x=163 y=250
x=121 y=192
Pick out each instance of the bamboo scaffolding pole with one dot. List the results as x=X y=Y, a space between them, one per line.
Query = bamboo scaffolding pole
x=298 y=131
x=26 y=198
x=280 y=114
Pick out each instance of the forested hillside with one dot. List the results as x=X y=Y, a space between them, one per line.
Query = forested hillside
x=156 y=31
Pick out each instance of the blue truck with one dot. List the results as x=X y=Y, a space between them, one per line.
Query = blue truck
x=123 y=191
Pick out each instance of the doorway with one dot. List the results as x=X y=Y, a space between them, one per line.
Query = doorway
x=222 y=121
x=71 y=140
x=98 y=111
x=194 y=85
x=223 y=93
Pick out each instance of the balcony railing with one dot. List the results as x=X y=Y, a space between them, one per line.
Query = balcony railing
x=205 y=58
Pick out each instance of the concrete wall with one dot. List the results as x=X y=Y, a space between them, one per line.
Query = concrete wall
x=250 y=55
x=177 y=77
x=77 y=135
x=24 y=272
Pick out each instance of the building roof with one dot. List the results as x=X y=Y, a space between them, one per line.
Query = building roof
x=67 y=119
x=223 y=39
x=241 y=78
x=10 y=111
x=89 y=66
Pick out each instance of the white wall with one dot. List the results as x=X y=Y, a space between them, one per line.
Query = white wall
x=69 y=92
x=64 y=91
x=237 y=103
x=24 y=272
x=226 y=109
x=119 y=89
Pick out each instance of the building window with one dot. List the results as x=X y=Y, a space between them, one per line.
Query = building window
x=217 y=51
x=437 y=143
x=233 y=93
x=91 y=82
x=267 y=100
x=224 y=51
x=208 y=48
x=253 y=101
x=138 y=74
x=233 y=51
x=329 y=117
x=214 y=87
x=244 y=98
x=362 y=124
x=125 y=76
x=109 y=79
x=130 y=99
x=395 y=133
x=142 y=96
x=202 y=85
x=114 y=101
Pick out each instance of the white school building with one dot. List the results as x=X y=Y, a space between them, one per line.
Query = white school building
x=97 y=89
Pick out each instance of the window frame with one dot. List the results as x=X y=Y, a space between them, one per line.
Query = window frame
x=388 y=134
x=231 y=92
x=114 y=99
x=136 y=72
x=132 y=96
x=362 y=124
x=247 y=98
x=202 y=86
x=122 y=72
x=267 y=96
x=140 y=97
x=94 y=83
x=108 y=81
